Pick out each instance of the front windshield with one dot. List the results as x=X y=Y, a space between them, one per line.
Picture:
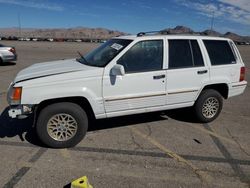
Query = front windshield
x=101 y=56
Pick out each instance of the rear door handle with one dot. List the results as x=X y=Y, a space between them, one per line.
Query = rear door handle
x=159 y=77
x=202 y=72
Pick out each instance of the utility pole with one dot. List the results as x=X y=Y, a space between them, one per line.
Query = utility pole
x=212 y=21
x=19 y=25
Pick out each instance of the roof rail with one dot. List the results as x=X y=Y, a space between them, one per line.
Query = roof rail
x=148 y=32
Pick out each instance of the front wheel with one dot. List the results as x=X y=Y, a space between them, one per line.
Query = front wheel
x=62 y=125
x=208 y=106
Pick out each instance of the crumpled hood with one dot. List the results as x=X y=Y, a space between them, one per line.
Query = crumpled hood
x=51 y=68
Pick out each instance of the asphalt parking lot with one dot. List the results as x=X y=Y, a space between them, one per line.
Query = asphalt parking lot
x=149 y=150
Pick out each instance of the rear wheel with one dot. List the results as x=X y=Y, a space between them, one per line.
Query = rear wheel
x=208 y=106
x=1 y=61
x=62 y=125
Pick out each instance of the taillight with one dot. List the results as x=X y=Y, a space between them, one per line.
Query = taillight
x=242 y=73
x=12 y=50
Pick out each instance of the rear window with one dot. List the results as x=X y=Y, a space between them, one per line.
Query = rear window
x=220 y=52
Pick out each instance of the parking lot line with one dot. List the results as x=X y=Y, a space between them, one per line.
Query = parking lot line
x=236 y=168
x=37 y=155
x=17 y=177
x=211 y=133
x=26 y=167
x=204 y=177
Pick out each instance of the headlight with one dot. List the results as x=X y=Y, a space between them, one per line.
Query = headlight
x=14 y=95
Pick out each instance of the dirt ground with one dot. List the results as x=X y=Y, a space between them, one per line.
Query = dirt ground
x=149 y=150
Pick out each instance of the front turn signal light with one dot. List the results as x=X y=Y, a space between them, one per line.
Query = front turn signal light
x=16 y=94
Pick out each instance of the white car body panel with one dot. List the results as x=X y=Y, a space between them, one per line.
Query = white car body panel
x=134 y=91
x=183 y=85
x=86 y=82
x=50 y=68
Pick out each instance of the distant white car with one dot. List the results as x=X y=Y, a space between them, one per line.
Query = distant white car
x=7 y=54
x=128 y=75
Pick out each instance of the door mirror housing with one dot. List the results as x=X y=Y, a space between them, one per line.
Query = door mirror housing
x=118 y=70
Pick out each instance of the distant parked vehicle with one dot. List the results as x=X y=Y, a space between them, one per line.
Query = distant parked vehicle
x=7 y=54
x=78 y=40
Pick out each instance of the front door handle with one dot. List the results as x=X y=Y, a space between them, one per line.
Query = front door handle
x=159 y=77
x=202 y=72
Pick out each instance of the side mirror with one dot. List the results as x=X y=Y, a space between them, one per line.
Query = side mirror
x=118 y=70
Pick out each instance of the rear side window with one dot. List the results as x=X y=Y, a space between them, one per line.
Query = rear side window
x=220 y=52
x=184 y=53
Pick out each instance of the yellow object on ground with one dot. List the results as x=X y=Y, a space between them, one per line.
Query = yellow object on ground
x=81 y=183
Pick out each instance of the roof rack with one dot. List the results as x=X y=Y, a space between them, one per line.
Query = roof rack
x=148 y=32
x=162 y=32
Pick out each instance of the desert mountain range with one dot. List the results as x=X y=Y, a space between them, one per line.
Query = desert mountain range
x=186 y=30
x=102 y=33
x=70 y=33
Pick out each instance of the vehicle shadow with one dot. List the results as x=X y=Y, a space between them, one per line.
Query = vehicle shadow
x=14 y=127
x=7 y=64
x=24 y=128
x=124 y=121
x=183 y=114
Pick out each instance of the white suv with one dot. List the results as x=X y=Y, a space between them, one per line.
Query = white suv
x=127 y=75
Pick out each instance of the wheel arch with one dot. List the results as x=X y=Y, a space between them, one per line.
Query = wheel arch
x=222 y=88
x=81 y=101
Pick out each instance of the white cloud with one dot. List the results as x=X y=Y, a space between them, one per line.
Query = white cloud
x=242 y=4
x=34 y=4
x=224 y=9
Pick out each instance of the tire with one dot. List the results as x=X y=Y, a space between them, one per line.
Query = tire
x=1 y=61
x=208 y=106
x=62 y=125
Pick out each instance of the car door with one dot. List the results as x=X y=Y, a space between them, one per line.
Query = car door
x=186 y=72
x=142 y=86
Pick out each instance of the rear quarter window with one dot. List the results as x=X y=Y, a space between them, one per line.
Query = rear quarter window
x=220 y=52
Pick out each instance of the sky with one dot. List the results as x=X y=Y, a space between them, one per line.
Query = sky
x=131 y=16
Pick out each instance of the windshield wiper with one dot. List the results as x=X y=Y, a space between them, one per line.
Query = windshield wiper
x=82 y=57
x=85 y=61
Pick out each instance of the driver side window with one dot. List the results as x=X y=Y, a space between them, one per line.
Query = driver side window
x=143 y=56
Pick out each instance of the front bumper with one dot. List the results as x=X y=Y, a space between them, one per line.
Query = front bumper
x=20 y=111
